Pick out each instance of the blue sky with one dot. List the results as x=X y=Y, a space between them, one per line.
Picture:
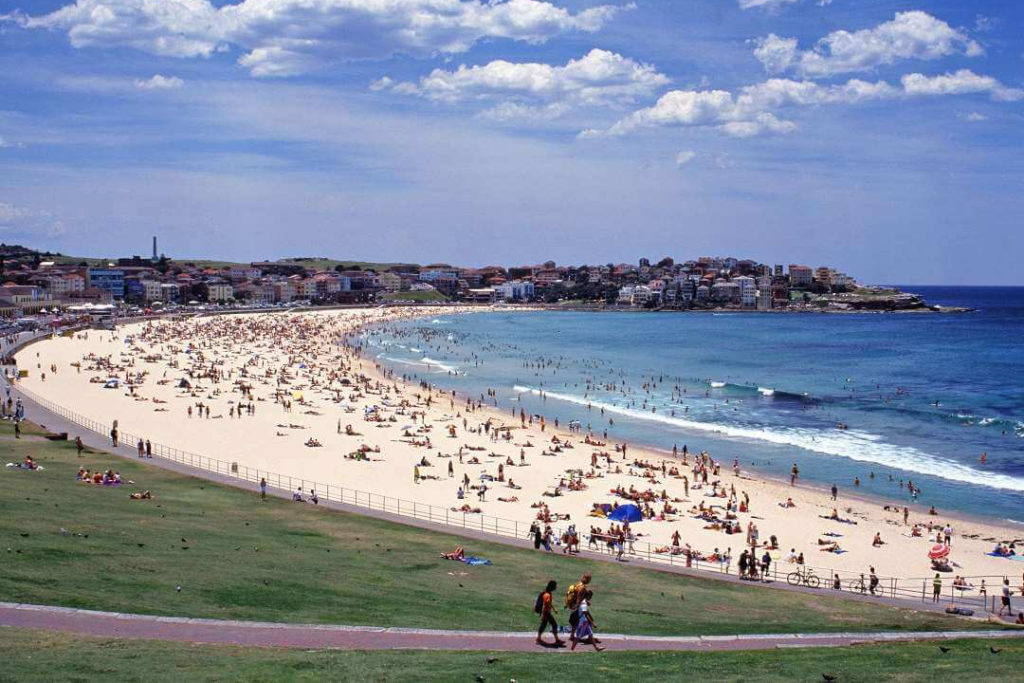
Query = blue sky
x=884 y=138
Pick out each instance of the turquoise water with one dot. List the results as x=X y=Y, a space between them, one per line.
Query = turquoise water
x=921 y=397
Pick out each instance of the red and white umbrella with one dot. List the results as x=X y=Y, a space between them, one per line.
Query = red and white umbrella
x=938 y=552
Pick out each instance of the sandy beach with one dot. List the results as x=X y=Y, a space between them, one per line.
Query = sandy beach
x=285 y=392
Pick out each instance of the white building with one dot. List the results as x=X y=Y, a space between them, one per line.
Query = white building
x=152 y=290
x=390 y=282
x=764 y=293
x=219 y=291
x=748 y=290
x=517 y=290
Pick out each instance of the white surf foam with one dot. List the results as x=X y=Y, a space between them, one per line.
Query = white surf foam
x=850 y=444
x=438 y=364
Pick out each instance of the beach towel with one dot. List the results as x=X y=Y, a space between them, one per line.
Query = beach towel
x=1019 y=558
x=476 y=561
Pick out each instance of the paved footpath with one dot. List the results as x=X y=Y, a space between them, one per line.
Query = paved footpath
x=265 y=634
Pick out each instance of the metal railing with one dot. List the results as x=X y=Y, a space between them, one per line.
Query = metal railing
x=913 y=588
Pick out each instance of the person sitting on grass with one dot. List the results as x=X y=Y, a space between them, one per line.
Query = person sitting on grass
x=458 y=554
x=145 y=495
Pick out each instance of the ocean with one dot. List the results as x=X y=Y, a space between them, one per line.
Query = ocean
x=886 y=398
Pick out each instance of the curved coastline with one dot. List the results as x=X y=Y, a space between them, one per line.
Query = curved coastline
x=764 y=497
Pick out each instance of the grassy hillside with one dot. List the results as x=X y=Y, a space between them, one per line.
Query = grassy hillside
x=90 y=546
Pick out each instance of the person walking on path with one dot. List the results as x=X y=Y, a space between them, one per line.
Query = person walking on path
x=546 y=609
x=79 y=446
x=263 y=488
x=936 y=588
x=149 y=449
x=1005 y=600
x=113 y=437
x=17 y=429
x=584 y=632
x=573 y=597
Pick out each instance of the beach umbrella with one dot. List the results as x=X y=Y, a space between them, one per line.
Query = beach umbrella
x=626 y=513
x=938 y=552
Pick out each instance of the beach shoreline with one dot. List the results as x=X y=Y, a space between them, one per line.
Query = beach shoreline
x=765 y=493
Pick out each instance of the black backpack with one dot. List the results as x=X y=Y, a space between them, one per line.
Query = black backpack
x=538 y=607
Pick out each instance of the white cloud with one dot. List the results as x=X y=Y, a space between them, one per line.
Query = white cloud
x=974 y=117
x=159 y=82
x=19 y=221
x=773 y=4
x=764 y=4
x=10 y=212
x=514 y=112
x=910 y=35
x=961 y=82
x=4 y=143
x=983 y=23
x=286 y=37
x=753 y=110
x=598 y=78
x=685 y=157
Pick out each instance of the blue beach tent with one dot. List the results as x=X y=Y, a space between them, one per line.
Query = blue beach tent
x=626 y=513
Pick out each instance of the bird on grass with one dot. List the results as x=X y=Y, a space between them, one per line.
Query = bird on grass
x=995 y=650
x=944 y=649
x=829 y=677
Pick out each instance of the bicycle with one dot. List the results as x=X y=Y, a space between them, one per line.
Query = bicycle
x=858 y=585
x=806 y=578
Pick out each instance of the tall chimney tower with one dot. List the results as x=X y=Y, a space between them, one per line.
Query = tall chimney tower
x=154 y=248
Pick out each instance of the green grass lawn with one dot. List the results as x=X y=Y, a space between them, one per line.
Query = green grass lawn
x=78 y=545
x=42 y=656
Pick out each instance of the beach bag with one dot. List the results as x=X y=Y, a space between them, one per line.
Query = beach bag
x=538 y=607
